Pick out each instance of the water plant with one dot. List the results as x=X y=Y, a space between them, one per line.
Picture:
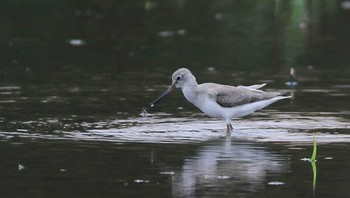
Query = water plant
x=314 y=152
x=313 y=164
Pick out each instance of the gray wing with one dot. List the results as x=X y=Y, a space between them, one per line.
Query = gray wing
x=227 y=96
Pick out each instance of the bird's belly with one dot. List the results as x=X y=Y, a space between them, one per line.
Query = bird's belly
x=249 y=108
x=212 y=109
x=208 y=107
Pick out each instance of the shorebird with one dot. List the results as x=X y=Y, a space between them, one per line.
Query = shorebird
x=217 y=100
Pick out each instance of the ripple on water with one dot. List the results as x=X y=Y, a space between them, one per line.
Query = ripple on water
x=288 y=128
x=9 y=88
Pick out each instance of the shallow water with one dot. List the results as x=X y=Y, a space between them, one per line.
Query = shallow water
x=71 y=100
x=175 y=151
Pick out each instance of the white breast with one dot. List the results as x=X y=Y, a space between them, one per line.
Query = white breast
x=209 y=107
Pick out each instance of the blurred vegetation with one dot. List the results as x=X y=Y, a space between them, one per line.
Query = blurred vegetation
x=125 y=35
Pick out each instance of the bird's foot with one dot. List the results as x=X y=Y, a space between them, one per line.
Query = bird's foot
x=229 y=128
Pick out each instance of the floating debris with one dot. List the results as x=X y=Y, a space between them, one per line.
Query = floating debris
x=167 y=173
x=305 y=159
x=166 y=34
x=172 y=33
x=276 y=183
x=181 y=32
x=21 y=167
x=76 y=42
x=310 y=67
x=141 y=181
x=219 y=16
x=211 y=69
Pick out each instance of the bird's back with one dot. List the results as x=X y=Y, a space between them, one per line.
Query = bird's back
x=230 y=96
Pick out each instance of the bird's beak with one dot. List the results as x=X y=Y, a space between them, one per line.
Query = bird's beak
x=166 y=92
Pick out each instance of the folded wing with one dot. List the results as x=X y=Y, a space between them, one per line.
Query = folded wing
x=228 y=96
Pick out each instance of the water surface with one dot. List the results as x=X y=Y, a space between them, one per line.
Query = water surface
x=72 y=90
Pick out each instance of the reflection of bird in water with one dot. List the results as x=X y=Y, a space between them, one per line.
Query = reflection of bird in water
x=224 y=166
x=222 y=101
x=292 y=78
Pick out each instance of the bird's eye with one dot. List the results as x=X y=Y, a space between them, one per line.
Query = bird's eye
x=178 y=77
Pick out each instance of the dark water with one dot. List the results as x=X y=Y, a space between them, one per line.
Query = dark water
x=75 y=75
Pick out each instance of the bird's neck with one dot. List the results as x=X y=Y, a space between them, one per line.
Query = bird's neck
x=189 y=91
